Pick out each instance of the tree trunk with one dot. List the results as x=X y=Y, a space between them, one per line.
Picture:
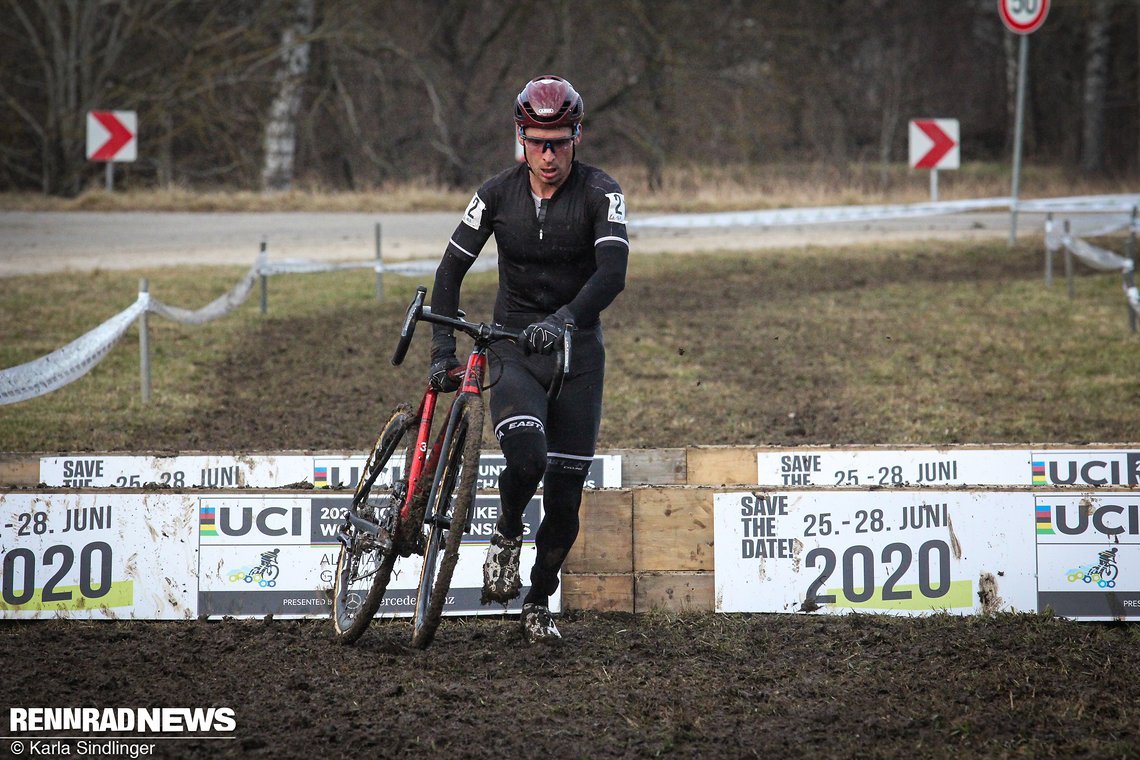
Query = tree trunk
x=889 y=89
x=281 y=128
x=1096 y=79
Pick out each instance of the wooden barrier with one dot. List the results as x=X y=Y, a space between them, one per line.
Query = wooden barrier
x=642 y=548
x=720 y=465
x=598 y=572
x=19 y=470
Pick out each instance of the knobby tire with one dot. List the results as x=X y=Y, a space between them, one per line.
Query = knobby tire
x=457 y=485
x=352 y=615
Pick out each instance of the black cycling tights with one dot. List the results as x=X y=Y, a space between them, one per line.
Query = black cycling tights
x=525 y=453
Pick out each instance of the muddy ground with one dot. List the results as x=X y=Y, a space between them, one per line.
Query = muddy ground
x=699 y=686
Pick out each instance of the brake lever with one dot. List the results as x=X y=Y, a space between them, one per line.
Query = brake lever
x=564 y=364
x=566 y=351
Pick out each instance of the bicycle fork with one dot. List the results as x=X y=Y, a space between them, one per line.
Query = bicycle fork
x=443 y=478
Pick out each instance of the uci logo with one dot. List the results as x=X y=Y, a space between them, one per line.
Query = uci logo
x=1107 y=519
x=1093 y=472
x=270 y=521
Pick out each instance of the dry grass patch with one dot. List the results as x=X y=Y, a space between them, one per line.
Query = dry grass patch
x=682 y=188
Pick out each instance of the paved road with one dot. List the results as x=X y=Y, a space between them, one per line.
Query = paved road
x=43 y=242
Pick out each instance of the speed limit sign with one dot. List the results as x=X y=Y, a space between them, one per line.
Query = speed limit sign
x=1023 y=16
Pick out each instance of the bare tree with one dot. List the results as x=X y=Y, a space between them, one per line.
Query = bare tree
x=1095 y=85
x=281 y=126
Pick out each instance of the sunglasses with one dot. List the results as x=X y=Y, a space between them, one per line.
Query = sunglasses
x=556 y=144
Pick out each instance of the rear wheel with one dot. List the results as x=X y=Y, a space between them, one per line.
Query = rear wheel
x=448 y=509
x=364 y=566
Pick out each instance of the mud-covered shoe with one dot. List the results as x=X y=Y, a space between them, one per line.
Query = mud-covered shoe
x=501 y=581
x=538 y=626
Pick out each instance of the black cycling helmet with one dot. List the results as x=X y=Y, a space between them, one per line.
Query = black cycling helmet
x=549 y=101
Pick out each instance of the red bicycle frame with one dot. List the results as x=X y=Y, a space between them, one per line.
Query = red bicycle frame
x=425 y=460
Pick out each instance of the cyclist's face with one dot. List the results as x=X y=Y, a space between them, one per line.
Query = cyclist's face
x=549 y=153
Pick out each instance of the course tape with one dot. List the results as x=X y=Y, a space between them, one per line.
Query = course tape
x=219 y=307
x=1096 y=257
x=822 y=215
x=1088 y=204
x=71 y=362
x=67 y=364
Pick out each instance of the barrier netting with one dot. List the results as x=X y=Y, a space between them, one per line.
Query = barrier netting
x=1065 y=238
x=792 y=217
x=77 y=358
x=73 y=361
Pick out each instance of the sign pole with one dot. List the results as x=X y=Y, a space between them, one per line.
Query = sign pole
x=109 y=174
x=144 y=346
x=1022 y=17
x=933 y=185
x=1018 y=129
x=379 y=267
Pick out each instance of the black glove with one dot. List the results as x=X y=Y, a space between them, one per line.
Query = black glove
x=442 y=362
x=542 y=337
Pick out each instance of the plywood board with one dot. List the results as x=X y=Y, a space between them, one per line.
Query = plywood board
x=19 y=470
x=652 y=467
x=601 y=593
x=672 y=529
x=605 y=535
x=721 y=465
x=674 y=591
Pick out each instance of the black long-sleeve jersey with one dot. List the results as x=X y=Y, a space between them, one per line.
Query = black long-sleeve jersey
x=566 y=254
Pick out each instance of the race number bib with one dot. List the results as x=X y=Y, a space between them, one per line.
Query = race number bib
x=617 y=207
x=473 y=216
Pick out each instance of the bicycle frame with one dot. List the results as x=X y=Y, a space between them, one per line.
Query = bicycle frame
x=424 y=463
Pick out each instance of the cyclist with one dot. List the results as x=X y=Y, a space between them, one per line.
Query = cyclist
x=559 y=226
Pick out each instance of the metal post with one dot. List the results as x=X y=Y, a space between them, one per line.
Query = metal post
x=144 y=347
x=1048 y=250
x=933 y=185
x=379 y=267
x=264 y=282
x=1018 y=128
x=109 y=176
x=1131 y=249
x=1068 y=262
x=1129 y=284
x=1130 y=275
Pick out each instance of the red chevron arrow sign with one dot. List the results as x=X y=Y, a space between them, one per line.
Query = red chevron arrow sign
x=111 y=135
x=934 y=144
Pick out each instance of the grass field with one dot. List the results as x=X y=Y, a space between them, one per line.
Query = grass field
x=931 y=343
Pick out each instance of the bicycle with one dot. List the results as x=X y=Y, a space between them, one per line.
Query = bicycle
x=427 y=511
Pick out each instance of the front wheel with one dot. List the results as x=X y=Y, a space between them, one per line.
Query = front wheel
x=366 y=559
x=448 y=507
